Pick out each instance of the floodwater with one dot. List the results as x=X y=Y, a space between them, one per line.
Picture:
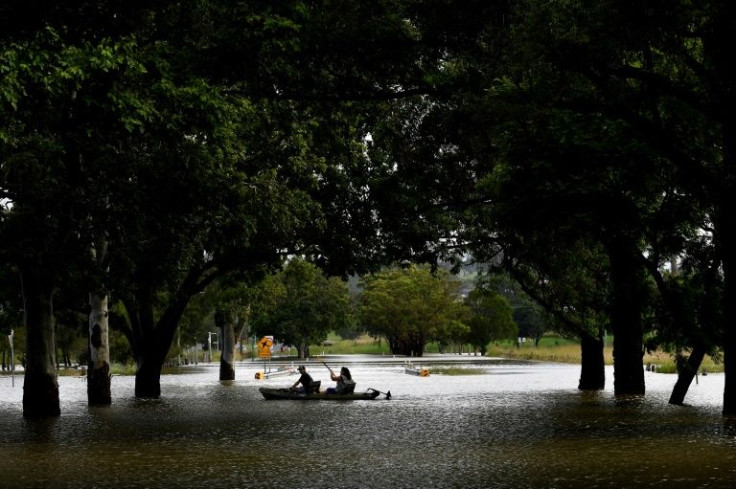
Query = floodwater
x=516 y=425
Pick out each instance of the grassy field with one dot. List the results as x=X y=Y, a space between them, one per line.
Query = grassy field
x=550 y=349
x=556 y=349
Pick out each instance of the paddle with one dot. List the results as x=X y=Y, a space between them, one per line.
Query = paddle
x=387 y=394
x=328 y=367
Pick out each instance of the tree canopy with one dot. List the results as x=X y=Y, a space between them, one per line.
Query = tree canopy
x=147 y=150
x=299 y=305
x=491 y=318
x=409 y=306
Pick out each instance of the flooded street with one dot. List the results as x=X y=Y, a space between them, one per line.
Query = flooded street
x=516 y=425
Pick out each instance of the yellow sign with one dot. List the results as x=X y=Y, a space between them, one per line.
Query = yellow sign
x=264 y=347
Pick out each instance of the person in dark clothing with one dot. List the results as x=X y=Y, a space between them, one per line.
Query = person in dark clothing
x=305 y=380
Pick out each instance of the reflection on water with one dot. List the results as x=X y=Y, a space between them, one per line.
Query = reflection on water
x=515 y=426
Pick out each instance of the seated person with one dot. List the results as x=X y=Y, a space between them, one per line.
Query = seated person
x=345 y=383
x=305 y=380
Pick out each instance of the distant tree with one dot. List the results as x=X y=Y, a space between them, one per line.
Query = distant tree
x=530 y=317
x=409 y=306
x=232 y=318
x=299 y=305
x=531 y=320
x=491 y=318
x=455 y=333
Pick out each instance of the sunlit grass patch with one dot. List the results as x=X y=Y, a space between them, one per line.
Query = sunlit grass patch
x=560 y=350
x=72 y=372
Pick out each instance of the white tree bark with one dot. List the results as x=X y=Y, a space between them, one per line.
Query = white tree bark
x=99 y=345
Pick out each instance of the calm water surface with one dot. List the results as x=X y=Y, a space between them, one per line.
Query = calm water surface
x=514 y=426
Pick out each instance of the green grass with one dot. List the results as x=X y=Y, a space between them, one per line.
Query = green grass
x=561 y=350
x=551 y=348
x=115 y=369
x=362 y=345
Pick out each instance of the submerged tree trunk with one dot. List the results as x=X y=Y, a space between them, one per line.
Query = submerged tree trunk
x=151 y=341
x=626 y=320
x=40 y=386
x=727 y=241
x=227 y=342
x=729 y=350
x=686 y=371
x=98 y=372
x=592 y=363
x=148 y=376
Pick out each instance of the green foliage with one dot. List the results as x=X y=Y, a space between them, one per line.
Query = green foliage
x=409 y=306
x=71 y=337
x=490 y=319
x=120 y=351
x=299 y=305
x=555 y=141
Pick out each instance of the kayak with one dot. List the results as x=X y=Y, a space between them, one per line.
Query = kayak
x=286 y=394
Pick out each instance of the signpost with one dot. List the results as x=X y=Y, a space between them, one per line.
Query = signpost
x=265 y=347
x=265 y=351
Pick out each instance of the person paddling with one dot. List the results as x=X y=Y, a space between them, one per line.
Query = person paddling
x=305 y=380
x=345 y=383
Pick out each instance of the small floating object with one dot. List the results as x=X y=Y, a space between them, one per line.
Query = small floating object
x=268 y=374
x=411 y=369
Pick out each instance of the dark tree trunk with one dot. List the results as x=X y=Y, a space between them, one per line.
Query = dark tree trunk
x=150 y=339
x=40 y=386
x=98 y=386
x=148 y=377
x=686 y=372
x=727 y=242
x=729 y=348
x=592 y=363
x=394 y=346
x=302 y=348
x=227 y=341
x=417 y=345
x=717 y=50
x=626 y=320
x=227 y=372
